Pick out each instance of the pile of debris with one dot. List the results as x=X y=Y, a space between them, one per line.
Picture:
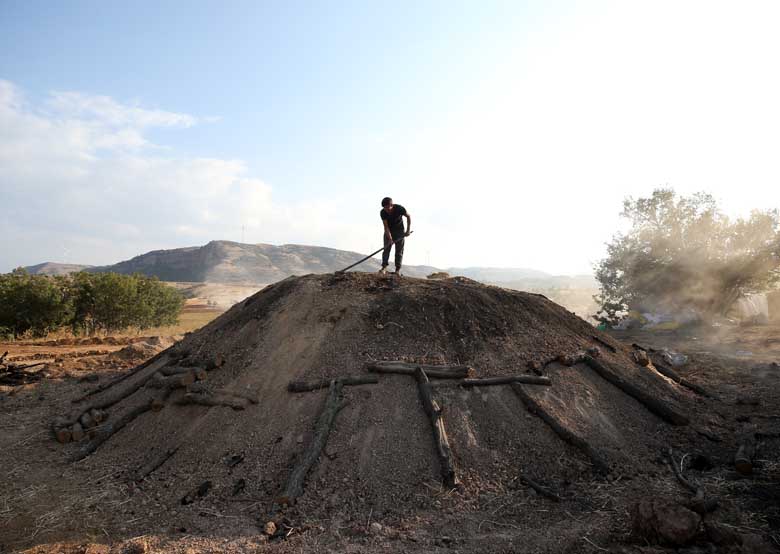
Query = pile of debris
x=12 y=374
x=352 y=395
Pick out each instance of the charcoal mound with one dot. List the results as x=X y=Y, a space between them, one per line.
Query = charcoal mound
x=341 y=395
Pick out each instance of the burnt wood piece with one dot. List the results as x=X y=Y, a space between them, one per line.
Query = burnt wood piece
x=491 y=381
x=199 y=372
x=746 y=450
x=449 y=474
x=174 y=381
x=128 y=388
x=656 y=406
x=333 y=405
x=62 y=431
x=159 y=400
x=237 y=403
x=541 y=489
x=22 y=367
x=108 y=429
x=674 y=376
x=350 y=380
x=153 y=464
x=403 y=368
x=121 y=378
x=596 y=458
x=604 y=343
x=698 y=503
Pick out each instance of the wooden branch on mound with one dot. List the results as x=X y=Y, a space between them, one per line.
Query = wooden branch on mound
x=175 y=381
x=541 y=489
x=158 y=401
x=62 y=431
x=200 y=372
x=211 y=400
x=656 y=406
x=698 y=503
x=596 y=458
x=437 y=371
x=449 y=474
x=682 y=381
x=128 y=374
x=333 y=405
x=153 y=464
x=604 y=343
x=109 y=429
x=491 y=381
x=350 y=380
x=122 y=392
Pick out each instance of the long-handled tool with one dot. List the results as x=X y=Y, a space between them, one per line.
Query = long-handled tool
x=372 y=254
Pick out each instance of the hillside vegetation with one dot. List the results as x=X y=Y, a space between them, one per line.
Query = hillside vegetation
x=35 y=305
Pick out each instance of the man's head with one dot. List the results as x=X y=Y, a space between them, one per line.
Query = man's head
x=387 y=204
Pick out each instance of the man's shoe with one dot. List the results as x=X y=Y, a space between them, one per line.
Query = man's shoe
x=383 y=271
x=397 y=273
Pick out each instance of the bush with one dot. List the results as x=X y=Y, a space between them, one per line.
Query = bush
x=32 y=304
x=110 y=302
x=35 y=305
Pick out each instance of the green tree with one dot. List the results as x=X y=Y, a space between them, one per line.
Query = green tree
x=32 y=304
x=110 y=302
x=684 y=253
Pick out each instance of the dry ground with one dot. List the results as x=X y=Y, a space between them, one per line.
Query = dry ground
x=49 y=505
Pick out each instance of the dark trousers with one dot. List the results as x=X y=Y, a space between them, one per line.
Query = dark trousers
x=399 y=251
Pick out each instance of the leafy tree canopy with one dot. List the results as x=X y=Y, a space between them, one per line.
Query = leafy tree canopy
x=682 y=253
x=35 y=305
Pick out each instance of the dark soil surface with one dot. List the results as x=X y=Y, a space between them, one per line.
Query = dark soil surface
x=377 y=484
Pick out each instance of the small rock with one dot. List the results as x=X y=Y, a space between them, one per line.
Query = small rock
x=299 y=440
x=664 y=522
x=376 y=528
x=270 y=528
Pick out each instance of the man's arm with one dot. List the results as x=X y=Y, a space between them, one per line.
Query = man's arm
x=387 y=230
x=408 y=223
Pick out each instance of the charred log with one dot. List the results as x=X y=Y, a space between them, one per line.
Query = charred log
x=492 y=381
x=596 y=458
x=449 y=472
x=351 y=380
x=333 y=405
x=403 y=368
x=654 y=405
x=109 y=429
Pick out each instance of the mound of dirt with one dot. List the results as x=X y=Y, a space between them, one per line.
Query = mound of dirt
x=210 y=424
x=139 y=351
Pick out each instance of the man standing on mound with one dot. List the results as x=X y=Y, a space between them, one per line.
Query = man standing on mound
x=391 y=215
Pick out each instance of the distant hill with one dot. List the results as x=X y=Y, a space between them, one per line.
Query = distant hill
x=229 y=262
x=232 y=262
x=54 y=268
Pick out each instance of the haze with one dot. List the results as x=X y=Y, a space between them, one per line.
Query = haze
x=510 y=131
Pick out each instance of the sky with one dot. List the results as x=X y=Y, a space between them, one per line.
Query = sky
x=511 y=131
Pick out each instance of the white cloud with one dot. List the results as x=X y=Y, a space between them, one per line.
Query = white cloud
x=80 y=183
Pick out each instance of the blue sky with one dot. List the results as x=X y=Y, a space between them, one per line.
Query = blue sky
x=511 y=131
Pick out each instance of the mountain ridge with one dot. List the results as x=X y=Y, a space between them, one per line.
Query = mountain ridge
x=221 y=261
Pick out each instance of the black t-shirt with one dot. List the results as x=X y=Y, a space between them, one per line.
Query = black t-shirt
x=394 y=220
